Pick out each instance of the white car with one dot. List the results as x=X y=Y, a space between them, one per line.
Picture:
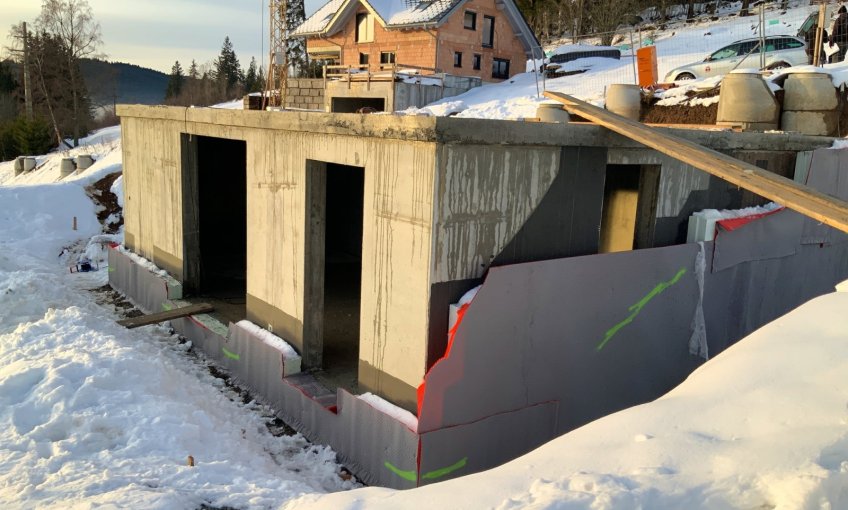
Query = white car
x=781 y=51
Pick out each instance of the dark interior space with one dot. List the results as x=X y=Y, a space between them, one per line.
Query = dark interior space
x=354 y=104
x=222 y=224
x=342 y=275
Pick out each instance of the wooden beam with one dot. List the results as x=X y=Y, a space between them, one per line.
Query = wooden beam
x=824 y=208
x=176 y=313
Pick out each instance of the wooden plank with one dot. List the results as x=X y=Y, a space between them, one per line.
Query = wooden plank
x=824 y=208
x=176 y=313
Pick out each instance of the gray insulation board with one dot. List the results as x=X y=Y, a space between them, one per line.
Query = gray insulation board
x=533 y=331
x=536 y=333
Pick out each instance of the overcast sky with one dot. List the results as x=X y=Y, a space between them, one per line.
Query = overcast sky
x=155 y=33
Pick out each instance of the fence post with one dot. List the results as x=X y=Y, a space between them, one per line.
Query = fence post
x=633 y=57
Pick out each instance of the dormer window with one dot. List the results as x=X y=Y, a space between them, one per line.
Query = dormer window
x=364 y=27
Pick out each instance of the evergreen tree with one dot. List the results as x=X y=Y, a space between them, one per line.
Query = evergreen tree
x=296 y=46
x=251 y=80
x=175 y=82
x=192 y=70
x=227 y=68
x=32 y=137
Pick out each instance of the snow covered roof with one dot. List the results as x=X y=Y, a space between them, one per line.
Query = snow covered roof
x=330 y=18
x=390 y=13
x=320 y=19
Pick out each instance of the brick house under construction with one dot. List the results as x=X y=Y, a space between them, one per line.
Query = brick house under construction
x=487 y=39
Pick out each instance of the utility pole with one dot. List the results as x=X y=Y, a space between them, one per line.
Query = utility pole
x=278 y=68
x=27 y=86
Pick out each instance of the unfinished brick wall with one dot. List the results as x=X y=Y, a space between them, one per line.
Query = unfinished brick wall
x=454 y=37
x=305 y=93
x=301 y=93
x=418 y=47
x=411 y=47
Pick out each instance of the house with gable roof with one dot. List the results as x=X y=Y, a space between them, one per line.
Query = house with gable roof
x=486 y=39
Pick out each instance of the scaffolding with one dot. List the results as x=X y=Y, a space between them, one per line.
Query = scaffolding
x=275 y=86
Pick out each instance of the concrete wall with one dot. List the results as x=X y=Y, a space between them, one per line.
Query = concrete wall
x=444 y=198
x=399 y=172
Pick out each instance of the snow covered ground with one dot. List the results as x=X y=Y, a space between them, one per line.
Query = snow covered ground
x=94 y=415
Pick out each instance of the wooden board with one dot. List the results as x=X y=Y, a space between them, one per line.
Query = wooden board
x=155 y=318
x=824 y=208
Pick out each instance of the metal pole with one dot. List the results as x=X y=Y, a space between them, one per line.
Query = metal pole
x=27 y=84
x=817 y=58
x=633 y=55
x=762 y=36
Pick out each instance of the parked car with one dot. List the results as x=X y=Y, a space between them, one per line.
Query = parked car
x=781 y=51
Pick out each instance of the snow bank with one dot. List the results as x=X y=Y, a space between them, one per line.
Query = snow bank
x=269 y=339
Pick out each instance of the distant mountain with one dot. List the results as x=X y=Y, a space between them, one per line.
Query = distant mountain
x=116 y=82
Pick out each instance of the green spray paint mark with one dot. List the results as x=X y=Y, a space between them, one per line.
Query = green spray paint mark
x=112 y=269
x=230 y=355
x=432 y=475
x=635 y=309
x=167 y=307
x=406 y=475
x=773 y=22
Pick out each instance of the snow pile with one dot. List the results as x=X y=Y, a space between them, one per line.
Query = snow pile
x=269 y=339
x=762 y=425
x=386 y=407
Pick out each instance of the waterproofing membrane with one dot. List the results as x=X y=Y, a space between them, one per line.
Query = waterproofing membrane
x=464 y=449
x=146 y=289
x=582 y=331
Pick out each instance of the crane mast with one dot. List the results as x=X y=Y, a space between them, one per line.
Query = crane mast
x=275 y=87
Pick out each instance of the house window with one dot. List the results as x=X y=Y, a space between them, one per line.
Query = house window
x=470 y=20
x=500 y=68
x=363 y=59
x=457 y=59
x=488 y=31
x=364 y=27
x=387 y=57
x=475 y=61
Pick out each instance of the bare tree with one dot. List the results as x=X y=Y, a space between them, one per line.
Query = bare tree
x=73 y=24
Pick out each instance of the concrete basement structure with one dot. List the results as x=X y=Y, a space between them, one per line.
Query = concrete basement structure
x=349 y=236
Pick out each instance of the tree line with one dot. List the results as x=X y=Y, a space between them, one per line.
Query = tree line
x=59 y=111
x=224 y=79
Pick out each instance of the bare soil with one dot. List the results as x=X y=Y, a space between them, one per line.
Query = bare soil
x=107 y=203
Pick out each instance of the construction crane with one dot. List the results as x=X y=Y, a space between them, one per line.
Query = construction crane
x=275 y=86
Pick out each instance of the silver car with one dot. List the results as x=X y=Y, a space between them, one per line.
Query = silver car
x=781 y=51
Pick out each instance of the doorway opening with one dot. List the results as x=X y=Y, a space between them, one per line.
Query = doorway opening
x=215 y=222
x=630 y=207
x=355 y=104
x=334 y=272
